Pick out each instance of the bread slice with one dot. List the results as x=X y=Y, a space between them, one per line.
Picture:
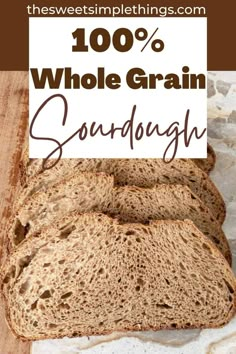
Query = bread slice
x=95 y=192
x=89 y=275
x=83 y=192
x=207 y=164
x=139 y=172
x=163 y=202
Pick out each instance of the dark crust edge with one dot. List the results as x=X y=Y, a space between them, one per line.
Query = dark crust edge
x=207 y=164
x=211 y=152
x=15 y=176
x=218 y=195
x=125 y=329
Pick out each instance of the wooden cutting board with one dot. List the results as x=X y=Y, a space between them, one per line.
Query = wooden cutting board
x=14 y=117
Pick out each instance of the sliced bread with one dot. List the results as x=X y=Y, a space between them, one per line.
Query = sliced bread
x=95 y=192
x=89 y=275
x=139 y=172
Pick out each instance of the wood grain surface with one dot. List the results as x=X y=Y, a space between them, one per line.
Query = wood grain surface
x=14 y=116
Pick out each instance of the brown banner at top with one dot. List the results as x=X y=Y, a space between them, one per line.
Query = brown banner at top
x=14 y=30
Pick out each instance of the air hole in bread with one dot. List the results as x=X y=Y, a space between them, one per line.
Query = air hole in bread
x=194 y=235
x=130 y=232
x=52 y=325
x=20 y=232
x=46 y=265
x=64 y=306
x=184 y=239
x=206 y=247
x=167 y=281
x=24 y=262
x=10 y=274
x=192 y=180
x=192 y=208
x=166 y=177
x=216 y=240
x=137 y=288
x=231 y=290
x=164 y=306
x=65 y=296
x=62 y=261
x=65 y=271
x=182 y=266
x=41 y=307
x=119 y=320
x=138 y=239
x=140 y=281
x=45 y=295
x=66 y=232
x=34 y=305
x=24 y=287
x=101 y=271
x=145 y=230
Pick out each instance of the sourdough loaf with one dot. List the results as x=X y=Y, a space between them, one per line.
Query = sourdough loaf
x=95 y=192
x=87 y=275
x=139 y=172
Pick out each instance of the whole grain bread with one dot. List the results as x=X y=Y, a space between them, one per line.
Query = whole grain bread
x=139 y=172
x=96 y=192
x=89 y=275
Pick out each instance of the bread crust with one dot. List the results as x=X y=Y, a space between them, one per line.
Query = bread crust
x=207 y=164
x=212 y=156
